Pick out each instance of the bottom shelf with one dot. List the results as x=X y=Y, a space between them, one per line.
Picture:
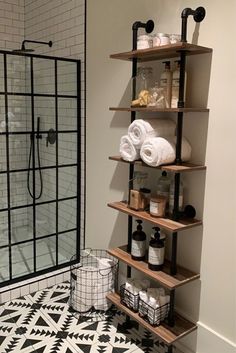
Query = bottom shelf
x=168 y=334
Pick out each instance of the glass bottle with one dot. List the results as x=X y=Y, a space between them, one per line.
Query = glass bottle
x=143 y=81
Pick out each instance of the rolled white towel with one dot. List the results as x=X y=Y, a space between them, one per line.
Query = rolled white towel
x=141 y=129
x=127 y=150
x=159 y=150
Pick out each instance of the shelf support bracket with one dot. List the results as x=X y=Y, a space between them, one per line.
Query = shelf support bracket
x=198 y=15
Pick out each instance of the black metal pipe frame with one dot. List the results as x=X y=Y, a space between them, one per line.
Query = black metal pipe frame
x=171 y=315
x=8 y=172
x=198 y=15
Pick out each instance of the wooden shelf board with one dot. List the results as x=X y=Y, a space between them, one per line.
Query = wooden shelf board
x=162 y=52
x=162 y=110
x=164 y=223
x=184 y=167
x=182 y=277
x=168 y=334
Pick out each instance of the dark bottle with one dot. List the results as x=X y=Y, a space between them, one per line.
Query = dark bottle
x=156 y=252
x=138 y=244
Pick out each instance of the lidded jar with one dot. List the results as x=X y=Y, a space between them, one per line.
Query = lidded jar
x=142 y=82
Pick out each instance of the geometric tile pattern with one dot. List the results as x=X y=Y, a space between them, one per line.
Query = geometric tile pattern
x=42 y=322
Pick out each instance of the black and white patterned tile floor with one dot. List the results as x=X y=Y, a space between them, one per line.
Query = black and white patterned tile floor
x=43 y=323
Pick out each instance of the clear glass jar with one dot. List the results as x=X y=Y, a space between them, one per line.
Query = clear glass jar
x=141 y=83
x=144 y=42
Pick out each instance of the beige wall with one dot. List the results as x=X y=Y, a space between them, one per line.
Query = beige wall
x=210 y=250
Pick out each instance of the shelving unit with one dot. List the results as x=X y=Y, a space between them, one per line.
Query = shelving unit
x=172 y=276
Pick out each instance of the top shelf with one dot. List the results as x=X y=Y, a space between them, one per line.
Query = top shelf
x=162 y=52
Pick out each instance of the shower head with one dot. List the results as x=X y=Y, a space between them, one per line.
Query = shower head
x=23 y=49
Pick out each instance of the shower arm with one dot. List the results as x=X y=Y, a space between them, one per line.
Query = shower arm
x=198 y=15
x=36 y=42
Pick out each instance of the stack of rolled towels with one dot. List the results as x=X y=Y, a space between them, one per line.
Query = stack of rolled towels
x=154 y=141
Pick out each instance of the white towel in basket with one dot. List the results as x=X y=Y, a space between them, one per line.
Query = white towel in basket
x=158 y=150
x=84 y=288
x=141 y=129
x=104 y=284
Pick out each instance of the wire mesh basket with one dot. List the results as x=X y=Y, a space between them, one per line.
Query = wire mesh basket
x=91 y=280
x=129 y=299
x=153 y=316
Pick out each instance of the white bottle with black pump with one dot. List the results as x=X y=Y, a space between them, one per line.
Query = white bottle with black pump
x=138 y=244
x=156 y=251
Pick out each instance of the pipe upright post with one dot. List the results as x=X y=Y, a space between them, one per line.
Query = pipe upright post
x=171 y=316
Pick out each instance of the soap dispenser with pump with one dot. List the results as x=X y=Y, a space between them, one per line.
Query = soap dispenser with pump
x=156 y=251
x=138 y=244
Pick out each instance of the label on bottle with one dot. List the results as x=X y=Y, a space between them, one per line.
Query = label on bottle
x=138 y=248
x=163 y=82
x=175 y=82
x=163 y=193
x=156 y=255
x=154 y=209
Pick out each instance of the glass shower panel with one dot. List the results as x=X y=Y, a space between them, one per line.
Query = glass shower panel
x=2 y=114
x=67 y=211
x=45 y=109
x=45 y=219
x=4 y=264
x=66 y=246
x=67 y=114
x=18 y=191
x=19 y=146
x=19 y=114
x=45 y=253
x=67 y=182
x=67 y=148
x=67 y=78
x=3 y=156
x=22 y=259
x=18 y=74
x=44 y=76
x=49 y=185
x=3 y=228
x=1 y=73
x=3 y=191
x=22 y=224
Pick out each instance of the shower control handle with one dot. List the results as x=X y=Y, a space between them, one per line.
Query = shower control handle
x=51 y=138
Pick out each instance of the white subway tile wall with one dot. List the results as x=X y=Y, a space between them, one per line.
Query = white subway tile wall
x=62 y=22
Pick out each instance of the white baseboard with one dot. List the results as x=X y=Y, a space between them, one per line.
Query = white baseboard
x=208 y=341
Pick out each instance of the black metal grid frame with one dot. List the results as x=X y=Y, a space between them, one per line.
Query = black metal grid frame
x=9 y=171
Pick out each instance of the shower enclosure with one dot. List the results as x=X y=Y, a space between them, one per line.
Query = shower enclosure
x=40 y=164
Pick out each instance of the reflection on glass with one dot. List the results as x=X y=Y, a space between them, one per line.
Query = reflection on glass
x=44 y=76
x=45 y=109
x=67 y=182
x=19 y=113
x=47 y=152
x=18 y=189
x=22 y=224
x=18 y=151
x=2 y=115
x=49 y=185
x=4 y=264
x=67 y=114
x=3 y=228
x=45 y=219
x=22 y=259
x=3 y=158
x=3 y=191
x=67 y=215
x=18 y=74
x=66 y=246
x=67 y=148
x=45 y=253
x=1 y=73
x=67 y=78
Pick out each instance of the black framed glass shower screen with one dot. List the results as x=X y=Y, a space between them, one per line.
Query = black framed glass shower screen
x=40 y=165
